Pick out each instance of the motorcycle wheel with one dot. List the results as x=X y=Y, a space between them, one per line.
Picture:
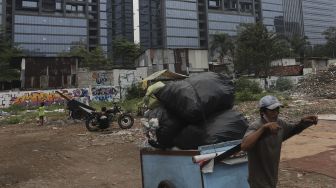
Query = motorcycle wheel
x=91 y=125
x=125 y=121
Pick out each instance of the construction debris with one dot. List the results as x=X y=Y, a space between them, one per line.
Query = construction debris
x=321 y=85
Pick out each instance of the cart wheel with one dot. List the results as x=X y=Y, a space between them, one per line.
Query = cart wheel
x=166 y=184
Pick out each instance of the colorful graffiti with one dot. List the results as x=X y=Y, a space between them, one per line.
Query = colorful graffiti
x=104 y=93
x=100 y=77
x=34 y=98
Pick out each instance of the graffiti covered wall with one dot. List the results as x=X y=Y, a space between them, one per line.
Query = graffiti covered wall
x=105 y=94
x=34 y=98
x=88 y=78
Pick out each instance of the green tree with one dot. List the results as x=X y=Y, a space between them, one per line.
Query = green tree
x=330 y=36
x=222 y=45
x=318 y=50
x=298 y=44
x=97 y=58
x=93 y=59
x=257 y=48
x=126 y=51
x=7 y=52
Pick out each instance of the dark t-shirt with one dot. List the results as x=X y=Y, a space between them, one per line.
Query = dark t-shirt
x=264 y=157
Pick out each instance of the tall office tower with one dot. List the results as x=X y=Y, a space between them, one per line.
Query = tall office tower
x=318 y=15
x=150 y=20
x=122 y=22
x=282 y=16
x=227 y=15
x=172 y=24
x=293 y=20
x=49 y=27
x=190 y=23
x=122 y=19
x=272 y=15
x=1 y=12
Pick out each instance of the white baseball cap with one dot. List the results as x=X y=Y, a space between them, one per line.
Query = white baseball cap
x=269 y=102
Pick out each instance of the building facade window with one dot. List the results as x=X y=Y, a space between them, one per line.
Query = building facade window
x=30 y=4
x=214 y=4
x=231 y=5
x=58 y=6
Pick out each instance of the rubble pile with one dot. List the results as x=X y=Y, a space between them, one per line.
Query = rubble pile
x=321 y=85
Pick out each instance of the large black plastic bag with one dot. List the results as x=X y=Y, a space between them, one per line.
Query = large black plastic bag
x=169 y=126
x=191 y=137
x=224 y=126
x=197 y=97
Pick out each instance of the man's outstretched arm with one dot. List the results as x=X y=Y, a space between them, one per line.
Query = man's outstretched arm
x=251 y=139
x=302 y=125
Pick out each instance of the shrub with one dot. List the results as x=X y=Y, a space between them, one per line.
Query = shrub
x=13 y=120
x=131 y=105
x=246 y=85
x=15 y=109
x=283 y=84
x=134 y=92
x=247 y=96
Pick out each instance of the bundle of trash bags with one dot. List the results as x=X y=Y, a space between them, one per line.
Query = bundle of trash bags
x=196 y=111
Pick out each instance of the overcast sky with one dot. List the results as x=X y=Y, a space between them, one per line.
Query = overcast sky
x=136 y=20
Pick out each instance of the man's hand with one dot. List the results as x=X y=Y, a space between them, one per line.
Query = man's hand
x=309 y=120
x=272 y=127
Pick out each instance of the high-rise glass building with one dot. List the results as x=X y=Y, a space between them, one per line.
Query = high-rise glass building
x=172 y=23
x=272 y=15
x=226 y=15
x=318 y=15
x=282 y=16
x=50 y=27
x=121 y=15
x=1 y=12
x=191 y=23
x=122 y=19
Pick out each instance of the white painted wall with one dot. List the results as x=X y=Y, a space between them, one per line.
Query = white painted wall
x=331 y=62
x=284 y=62
x=272 y=80
x=88 y=78
x=198 y=60
x=154 y=59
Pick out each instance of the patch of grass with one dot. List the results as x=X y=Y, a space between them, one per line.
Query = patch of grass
x=56 y=116
x=249 y=96
x=131 y=105
x=55 y=107
x=246 y=85
x=14 y=109
x=245 y=96
x=13 y=120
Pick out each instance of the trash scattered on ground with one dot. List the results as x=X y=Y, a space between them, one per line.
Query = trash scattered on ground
x=3 y=113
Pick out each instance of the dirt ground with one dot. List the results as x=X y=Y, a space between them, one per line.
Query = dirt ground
x=67 y=156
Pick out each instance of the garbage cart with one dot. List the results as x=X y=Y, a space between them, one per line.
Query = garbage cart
x=178 y=168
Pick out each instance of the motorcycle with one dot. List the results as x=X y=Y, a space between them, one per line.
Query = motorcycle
x=102 y=120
